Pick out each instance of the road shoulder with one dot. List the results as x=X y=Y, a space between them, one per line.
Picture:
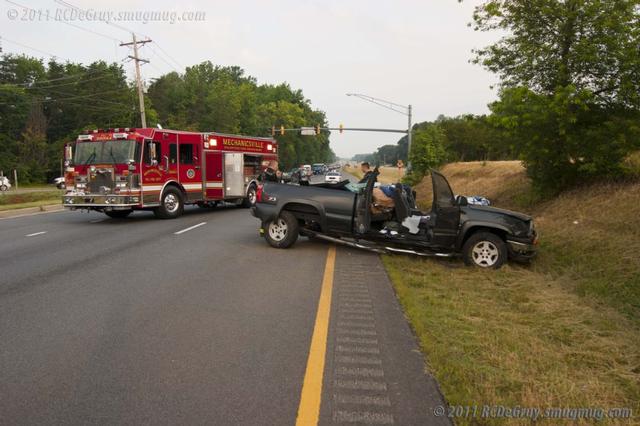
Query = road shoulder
x=374 y=371
x=49 y=208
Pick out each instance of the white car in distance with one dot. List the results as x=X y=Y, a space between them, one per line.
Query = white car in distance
x=5 y=185
x=333 y=177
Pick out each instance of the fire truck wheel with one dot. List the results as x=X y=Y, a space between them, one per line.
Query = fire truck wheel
x=250 y=201
x=171 y=205
x=283 y=231
x=118 y=214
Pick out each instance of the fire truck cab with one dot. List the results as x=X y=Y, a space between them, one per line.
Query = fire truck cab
x=117 y=171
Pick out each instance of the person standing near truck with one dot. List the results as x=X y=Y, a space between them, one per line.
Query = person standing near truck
x=368 y=173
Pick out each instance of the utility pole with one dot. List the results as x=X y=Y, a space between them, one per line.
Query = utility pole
x=137 y=60
x=409 y=139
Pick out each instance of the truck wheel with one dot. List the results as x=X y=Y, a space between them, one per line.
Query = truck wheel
x=485 y=250
x=3 y=188
x=250 y=201
x=118 y=214
x=171 y=204
x=283 y=231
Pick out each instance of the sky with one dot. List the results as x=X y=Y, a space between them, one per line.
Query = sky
x=406 y=51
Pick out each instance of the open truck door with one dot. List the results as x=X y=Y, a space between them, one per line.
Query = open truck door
x=446 y=212
x=363 y=206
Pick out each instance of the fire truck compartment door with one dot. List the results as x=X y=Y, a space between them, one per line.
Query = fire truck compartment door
x=233 y=175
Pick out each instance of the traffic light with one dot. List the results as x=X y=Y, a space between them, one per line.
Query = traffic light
x=281 y=130
x=341 y=127
x=317 y=129
x=273 y=131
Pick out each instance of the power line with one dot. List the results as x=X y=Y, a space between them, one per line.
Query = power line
x=87 y=72
x=164 y=60
x=98 y=107
x=79 y=97
x=67 y=23
x=83 y=96
x=168 y=56
x=71 y=6
x=34 y=49
x=88 y=95
x=179 y=65
x=36 y=85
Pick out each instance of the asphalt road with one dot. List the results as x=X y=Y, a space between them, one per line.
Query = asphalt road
x=192 y=321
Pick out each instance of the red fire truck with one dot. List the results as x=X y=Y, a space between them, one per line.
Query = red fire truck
x=117 y=171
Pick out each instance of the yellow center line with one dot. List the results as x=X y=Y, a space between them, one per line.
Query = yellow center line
x=309 y=408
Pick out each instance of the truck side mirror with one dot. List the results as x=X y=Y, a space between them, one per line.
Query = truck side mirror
x=462 y=201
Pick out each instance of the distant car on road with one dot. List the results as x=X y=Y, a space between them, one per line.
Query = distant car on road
x=319 y=169
x=333 y=177
x=5 y=185
x=59 y=183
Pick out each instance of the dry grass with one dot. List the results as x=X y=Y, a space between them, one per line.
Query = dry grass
x=387 y=174
x=564 y=331
x=517 y=337
x=503 y=182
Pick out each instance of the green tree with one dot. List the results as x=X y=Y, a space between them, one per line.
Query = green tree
x=427 y=148
x=569 y=75
x=32 y=148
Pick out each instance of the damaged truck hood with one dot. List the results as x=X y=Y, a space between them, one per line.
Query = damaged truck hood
x=495 y=210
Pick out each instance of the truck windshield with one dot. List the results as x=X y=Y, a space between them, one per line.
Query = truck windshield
x=109 y=152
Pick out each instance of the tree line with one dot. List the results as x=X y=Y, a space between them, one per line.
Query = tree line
x=45 y=105
x=569 y=94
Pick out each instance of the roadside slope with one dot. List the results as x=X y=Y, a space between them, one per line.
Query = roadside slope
x=563 y=332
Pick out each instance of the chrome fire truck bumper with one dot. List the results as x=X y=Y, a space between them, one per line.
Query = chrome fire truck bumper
x=101 y=202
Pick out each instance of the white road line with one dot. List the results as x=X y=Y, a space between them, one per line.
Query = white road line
x=190 y=228
x=36 y=233
x=97 y=220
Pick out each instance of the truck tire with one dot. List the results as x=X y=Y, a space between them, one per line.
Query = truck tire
x=485 y=250
x=171 y=204
x=118 y=214
x=283 y=231
x=3 y=188
x=250 y=201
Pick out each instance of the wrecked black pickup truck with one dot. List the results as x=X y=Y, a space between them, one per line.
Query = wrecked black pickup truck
x=484 y=236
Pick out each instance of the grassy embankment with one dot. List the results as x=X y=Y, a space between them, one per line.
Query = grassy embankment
x=387 y=174
x=562 y=332
x=35 y=197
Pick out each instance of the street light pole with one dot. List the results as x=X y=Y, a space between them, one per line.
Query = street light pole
x=401 y=109
x=409 y=139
